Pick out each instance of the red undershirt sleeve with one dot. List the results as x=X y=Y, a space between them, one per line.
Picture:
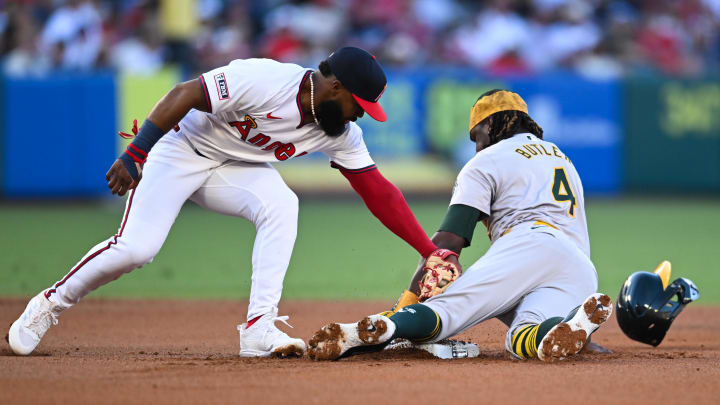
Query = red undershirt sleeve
x=387 y=203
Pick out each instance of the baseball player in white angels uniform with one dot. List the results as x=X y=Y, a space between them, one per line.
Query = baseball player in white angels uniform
x=212 y=140
x=536 y=277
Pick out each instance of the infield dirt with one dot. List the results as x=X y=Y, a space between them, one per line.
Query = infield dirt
x=126 y=351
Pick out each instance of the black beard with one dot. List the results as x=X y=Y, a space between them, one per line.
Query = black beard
x=329 y=115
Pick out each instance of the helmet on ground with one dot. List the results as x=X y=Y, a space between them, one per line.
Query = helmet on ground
x=647 y=305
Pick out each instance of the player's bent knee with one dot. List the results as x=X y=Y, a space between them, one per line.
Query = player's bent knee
x=283 y=206
x=293 y=205
x=292 y=202
x=139 y=255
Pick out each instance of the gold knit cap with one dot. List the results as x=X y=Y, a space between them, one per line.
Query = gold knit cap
x=499 y=101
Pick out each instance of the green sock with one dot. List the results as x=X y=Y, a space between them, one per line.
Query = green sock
x=417 y=323
x=545 y=327
x=526 y=340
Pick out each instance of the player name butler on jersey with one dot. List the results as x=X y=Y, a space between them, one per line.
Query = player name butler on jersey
x=255 y=116
x=522 y=179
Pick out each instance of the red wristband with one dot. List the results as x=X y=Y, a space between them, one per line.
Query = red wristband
x=444 y=253
x=131 y=152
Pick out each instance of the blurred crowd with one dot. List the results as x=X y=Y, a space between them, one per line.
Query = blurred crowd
x=597 y=38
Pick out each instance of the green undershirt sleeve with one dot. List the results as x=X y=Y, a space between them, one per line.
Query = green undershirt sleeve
x=461 y=220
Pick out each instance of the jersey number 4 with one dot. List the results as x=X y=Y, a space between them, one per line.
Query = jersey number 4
x=562 y=191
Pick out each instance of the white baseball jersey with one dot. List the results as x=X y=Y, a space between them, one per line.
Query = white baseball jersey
x=255 y=117
x=542 y=267
x=254 y=121
x=523 y=179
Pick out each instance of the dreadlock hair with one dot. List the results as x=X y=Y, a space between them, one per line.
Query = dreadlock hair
x=505 y=124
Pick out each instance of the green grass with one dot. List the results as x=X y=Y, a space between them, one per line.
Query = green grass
x=342 y=251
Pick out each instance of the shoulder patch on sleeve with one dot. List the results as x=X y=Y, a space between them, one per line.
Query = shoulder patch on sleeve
x=222 y=87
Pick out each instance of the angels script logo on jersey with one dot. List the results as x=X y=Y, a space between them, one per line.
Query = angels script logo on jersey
x=221 y=85
x=283 y=151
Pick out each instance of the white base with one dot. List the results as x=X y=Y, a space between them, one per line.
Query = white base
x=444 y=349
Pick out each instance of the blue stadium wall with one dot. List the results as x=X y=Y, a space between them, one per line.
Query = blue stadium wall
x=58 y=134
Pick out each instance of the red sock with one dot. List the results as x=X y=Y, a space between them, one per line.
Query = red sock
x=252 y=321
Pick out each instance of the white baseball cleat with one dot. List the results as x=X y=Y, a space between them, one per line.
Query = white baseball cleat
x=569 y=336
x=335 y=339
x=264 y=339
x=27 y=331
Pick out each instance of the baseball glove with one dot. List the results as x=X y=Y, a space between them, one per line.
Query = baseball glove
x=441 y=269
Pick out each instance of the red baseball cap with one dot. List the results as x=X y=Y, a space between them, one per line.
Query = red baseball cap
x=361 y=74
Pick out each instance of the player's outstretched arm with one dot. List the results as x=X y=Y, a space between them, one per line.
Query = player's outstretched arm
x=126 y=172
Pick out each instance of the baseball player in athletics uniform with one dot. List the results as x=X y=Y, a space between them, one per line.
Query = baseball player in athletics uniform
x=537 y=269
x=212 y=140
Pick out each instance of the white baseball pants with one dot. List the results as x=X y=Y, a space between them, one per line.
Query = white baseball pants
x=527 y=276
x=172 y=174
